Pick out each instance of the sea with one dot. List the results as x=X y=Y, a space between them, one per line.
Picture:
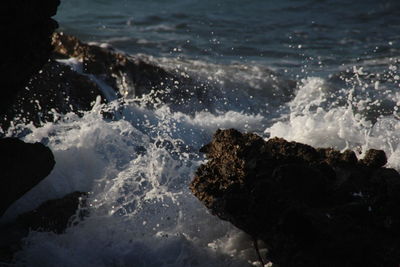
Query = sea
x=321 y=72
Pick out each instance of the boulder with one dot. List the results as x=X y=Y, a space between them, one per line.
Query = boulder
x=26 y=28
x=22 y=166
x=311 y=207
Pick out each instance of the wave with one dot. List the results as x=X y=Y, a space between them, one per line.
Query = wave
x=137 y=162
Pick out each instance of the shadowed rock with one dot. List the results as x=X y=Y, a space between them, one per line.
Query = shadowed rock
x=59 y=88
x=311 y=207
x=56 y=89
x=54 y=215
x=26 y=28
x=22 y=166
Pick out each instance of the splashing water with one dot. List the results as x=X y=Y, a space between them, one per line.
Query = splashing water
x=360 y=116
x=137 y=167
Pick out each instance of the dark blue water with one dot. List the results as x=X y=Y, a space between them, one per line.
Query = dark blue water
x=299 y=36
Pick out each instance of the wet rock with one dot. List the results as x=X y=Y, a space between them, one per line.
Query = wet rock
x=311 y=207
x=118 y=70
x=134 y=76
x=26 y=28
x=56 y=89
x=54 y=215
x=375 y=158
x=22 y=166
x=32 y=87
x=61 y=89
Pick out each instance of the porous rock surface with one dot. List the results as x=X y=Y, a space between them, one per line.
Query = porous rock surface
x=311 y=207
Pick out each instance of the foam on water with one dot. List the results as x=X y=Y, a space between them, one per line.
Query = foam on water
x=137 y=166
x=340 y=126
x=137 y=169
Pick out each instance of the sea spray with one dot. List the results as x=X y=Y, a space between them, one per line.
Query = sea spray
x=344 y=121
x=137 y=170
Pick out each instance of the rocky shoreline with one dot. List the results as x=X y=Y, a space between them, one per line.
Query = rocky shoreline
x=77 y=73
x=24 y=165
x=311 y=207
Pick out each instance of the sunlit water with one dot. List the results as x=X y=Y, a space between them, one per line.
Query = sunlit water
x=137 y=166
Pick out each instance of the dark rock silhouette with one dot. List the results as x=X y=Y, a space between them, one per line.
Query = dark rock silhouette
x=105 y=72
x=22 y=166
x=56 y=89
x=26 y=28
x=311 y=207
x=54 y=215
x=59 y=88
x=29 y=94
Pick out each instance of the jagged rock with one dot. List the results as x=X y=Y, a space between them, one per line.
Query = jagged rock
x=22 y=166
x=134 y=76
x=59 y=88
x=117 y=69
x=26 y=28
x=54 y=215
x=311 y=207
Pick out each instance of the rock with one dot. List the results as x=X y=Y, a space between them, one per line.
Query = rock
x=311 y=207
x=117 y=69
x=28 y=95
x=105 y=72
x=133 y=76
x=22 y=166
x=54 y=215
x=26 y=28
x=375 y=158
x=57 y=88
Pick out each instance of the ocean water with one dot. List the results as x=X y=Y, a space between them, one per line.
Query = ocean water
x=342 y=56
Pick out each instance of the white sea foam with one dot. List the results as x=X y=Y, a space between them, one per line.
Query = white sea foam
x=141 y=210
x=138 y=165
x=339 y=127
